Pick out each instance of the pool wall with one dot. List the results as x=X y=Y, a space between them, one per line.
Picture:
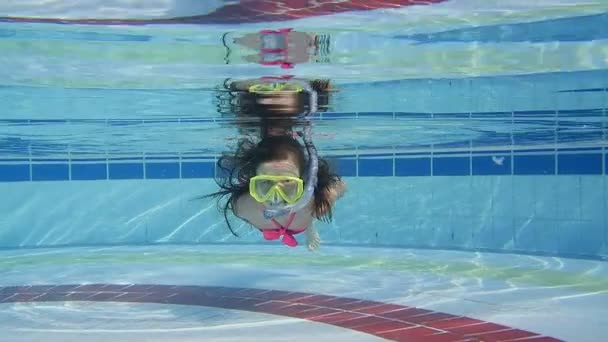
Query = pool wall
x=546 y=214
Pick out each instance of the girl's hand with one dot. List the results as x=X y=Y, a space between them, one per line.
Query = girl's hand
x=313 y=238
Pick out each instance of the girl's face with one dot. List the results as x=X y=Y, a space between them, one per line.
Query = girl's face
x=280 y=102
x=287 y=167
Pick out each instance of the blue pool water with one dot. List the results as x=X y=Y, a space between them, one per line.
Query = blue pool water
x=472 y=138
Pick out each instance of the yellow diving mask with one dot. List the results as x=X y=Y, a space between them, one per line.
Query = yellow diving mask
x=275 y=87
x=264 y=187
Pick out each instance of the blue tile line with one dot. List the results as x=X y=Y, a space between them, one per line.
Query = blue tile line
x=483 y=140
x=585 y=161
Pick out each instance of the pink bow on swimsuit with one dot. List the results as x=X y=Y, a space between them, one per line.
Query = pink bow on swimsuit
x=282 y=231
x=288 y=238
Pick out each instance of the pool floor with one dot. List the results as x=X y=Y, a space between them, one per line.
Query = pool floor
x=271 y=293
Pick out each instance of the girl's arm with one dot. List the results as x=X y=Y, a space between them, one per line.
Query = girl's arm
x=334 y=194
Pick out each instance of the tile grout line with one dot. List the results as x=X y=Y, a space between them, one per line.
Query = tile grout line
x=358 y=168
x=179 y=123
x=31 y=167
x=604 y=170
x=604 y=128
x=107 y=156
x=470 y=158
x=69 y=157
x=555 y=141
x=180 y=167
x=512 y=154
x=537 y=150
x=143 y=163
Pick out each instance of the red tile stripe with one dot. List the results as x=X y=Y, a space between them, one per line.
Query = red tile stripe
x=250 y=11
x=389 y=321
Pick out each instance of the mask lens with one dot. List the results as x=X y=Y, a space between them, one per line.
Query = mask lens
x=275 y=189
x=290 y=189
x=263 y=187
x=263 y=88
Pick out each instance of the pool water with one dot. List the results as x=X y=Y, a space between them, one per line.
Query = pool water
x=472 y=137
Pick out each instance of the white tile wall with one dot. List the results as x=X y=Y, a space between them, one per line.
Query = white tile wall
x=422 y=211
x=568 y=197
x=524 y=199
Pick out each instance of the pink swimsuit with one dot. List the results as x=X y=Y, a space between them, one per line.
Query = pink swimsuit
x=284 y=231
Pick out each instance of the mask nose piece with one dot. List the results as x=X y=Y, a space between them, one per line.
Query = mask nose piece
x=274 y=199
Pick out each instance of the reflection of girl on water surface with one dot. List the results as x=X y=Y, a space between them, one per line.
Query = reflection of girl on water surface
x=283 y=47
x=278 y=184
x=283 y=95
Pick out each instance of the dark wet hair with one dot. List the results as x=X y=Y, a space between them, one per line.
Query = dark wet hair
x=236 y=169
x=231 y=100
x=322 y=48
